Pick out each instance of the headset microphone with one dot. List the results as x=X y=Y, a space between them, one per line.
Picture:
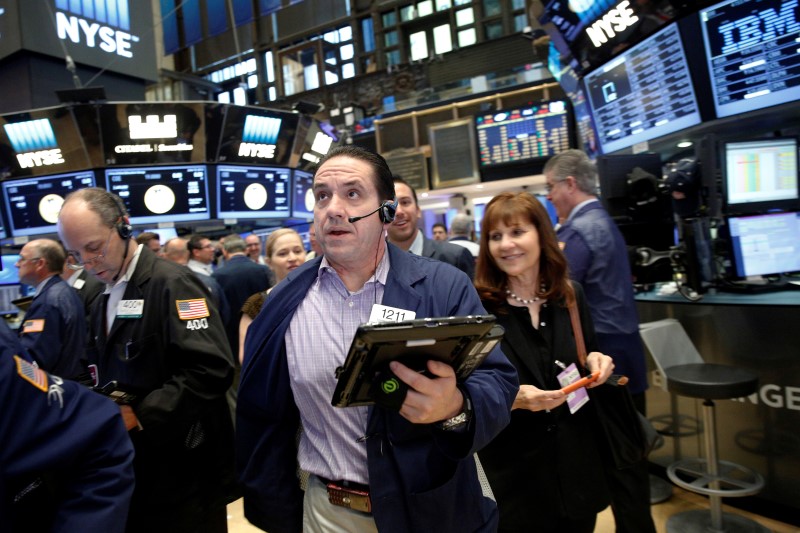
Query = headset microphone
x=356 y=219
x=386 y=212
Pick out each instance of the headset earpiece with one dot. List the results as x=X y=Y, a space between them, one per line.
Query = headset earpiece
x=124 y=229
x=387 y=211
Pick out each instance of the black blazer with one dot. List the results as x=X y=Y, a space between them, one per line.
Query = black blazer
x=545 y=466
x=456 y=255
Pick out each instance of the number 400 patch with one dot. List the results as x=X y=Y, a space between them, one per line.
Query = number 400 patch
x=198 y=323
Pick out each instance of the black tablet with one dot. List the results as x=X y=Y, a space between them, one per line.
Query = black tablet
x=462 y=342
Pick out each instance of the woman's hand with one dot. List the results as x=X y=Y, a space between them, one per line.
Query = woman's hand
x=598 y=362
x=534 y=399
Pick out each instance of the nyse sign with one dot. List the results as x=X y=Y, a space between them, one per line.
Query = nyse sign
x=40 y=158
x=93 y=35
x=617 y=20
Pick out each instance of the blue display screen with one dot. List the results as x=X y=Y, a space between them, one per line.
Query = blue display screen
x=753 y=54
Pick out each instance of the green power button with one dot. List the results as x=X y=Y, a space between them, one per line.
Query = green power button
x=390 y=385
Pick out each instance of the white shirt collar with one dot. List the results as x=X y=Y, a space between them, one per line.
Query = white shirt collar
x=416 y=246
x=579 y=207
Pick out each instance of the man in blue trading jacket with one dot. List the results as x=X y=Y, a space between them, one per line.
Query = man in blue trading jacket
x=54 y=329
x=59 y=429
x=598 y=260
x=416 y=464
x=157 y=337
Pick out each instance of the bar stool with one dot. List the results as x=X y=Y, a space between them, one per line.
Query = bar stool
x=712 y=476
x=688 y=375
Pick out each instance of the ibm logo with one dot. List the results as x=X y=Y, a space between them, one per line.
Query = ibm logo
x=104 y=24
x=35 y=143
x=263 y=130
x=31 y=135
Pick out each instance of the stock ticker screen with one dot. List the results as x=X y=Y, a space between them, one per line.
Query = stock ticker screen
x=516 y=135
x=644 y=93
x=753 y=53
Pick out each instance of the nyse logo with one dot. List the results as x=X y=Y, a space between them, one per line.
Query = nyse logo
x=34 y=142
x=617 y=19
x=259 y=137
x=765 y=25
x=103 y=24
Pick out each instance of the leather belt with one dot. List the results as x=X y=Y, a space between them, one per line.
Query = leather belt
x=348 y=494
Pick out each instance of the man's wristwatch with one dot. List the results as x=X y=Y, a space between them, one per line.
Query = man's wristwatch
x=461 y=419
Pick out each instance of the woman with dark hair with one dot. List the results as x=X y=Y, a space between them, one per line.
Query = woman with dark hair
x=544 y=467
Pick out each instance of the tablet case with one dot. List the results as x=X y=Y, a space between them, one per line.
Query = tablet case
x=462 y=342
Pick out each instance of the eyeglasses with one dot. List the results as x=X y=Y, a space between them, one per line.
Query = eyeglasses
x=550 y=186
x=21 y=259
x=80 y=263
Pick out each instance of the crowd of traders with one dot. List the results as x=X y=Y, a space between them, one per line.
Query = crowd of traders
x=165 y=334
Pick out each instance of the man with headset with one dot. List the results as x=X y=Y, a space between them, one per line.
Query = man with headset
x=371 y=468
x=157 y=338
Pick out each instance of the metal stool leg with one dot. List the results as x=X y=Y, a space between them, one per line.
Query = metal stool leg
x=708 y=477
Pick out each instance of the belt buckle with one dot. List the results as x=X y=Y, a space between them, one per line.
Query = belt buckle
x=350 y=498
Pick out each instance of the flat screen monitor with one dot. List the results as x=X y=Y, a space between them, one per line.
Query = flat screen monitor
x=162 y=194
x=752 y=52
x=302 y=194
x=41 y=142
x=153 y=133
x=33 y=204
x=253 y=192
x=765 y=244
x=9 y=274
x=595 y=30
x=760 y=175
x=644 y=93
x=534 y=131
x=257 y=136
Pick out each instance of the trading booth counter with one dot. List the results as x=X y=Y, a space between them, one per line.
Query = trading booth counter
x=757 y=332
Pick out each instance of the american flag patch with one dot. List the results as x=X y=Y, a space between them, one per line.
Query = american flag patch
x=191 y=309
x=31 y=373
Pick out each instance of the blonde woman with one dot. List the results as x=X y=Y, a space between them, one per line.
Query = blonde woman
x=284 y=253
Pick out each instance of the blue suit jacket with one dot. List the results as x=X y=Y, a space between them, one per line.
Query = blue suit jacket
x=598 y=260
x=63 y=429
x=422 y=478
x=60 y=347
x=456 y=255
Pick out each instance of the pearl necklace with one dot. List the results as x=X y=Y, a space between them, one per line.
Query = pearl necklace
x=523 y=301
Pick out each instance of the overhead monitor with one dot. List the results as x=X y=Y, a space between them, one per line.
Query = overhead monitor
x=162 y=194
x=593 y=31
x=525 y=133
x=302 y=194
x=39 y=142
x=760 y=175
x=33 y=204
x=149 y=133
x=752 y=50
x=644 y=93
x=767 y=244
x=253 y=135
x=253 y=192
